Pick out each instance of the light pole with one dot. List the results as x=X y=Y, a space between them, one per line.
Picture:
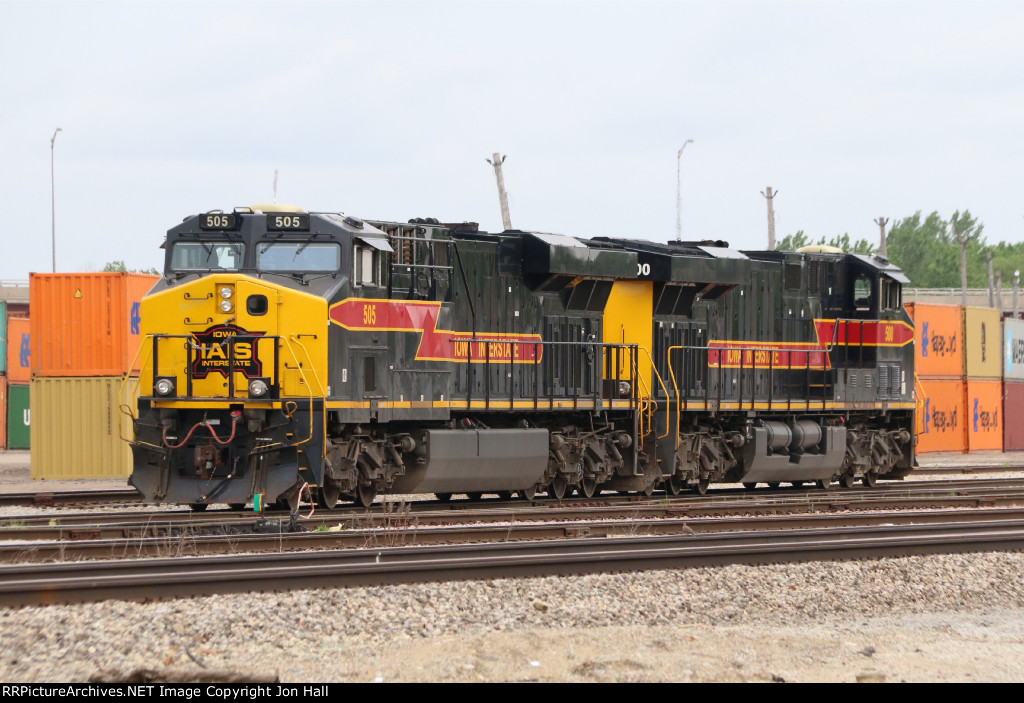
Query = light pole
x=53 y=202
x=679 y=193
x=1016 y=287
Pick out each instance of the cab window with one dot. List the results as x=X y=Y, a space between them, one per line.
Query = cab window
x=204 y=256
x=367 y=266
x=299 y=256
x=862 y=293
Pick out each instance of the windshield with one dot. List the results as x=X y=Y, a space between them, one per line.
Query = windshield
x=299 y=256
x=190 y=256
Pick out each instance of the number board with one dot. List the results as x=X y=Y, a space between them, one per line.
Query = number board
x=217 y=221
x=287 y=223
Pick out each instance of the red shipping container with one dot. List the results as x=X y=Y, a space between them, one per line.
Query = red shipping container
x=938 y=340
x=86 y=324
x=941 y=417
x=985 y=414
x=18 y=350
x=1013 y=406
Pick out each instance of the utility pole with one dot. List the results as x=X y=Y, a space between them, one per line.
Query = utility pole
x=679 y=193
x=999 y=292
x=53 y=202
x=882 y=222
x=769 y=196
x=991 y=281
x=963 y=269
x=502 y=195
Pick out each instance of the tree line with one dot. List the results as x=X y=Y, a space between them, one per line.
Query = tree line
x=928 y=250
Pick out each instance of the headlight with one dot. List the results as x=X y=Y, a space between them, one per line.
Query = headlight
x=164 y=386
x=258 y=388
x=225 y=306
x=623 y=388
x=226 y=292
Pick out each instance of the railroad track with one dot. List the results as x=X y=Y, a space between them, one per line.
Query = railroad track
x=143 y=579
x=131 y=496
x=182 y=533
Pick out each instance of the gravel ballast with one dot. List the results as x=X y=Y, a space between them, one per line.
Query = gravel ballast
x=936 y=618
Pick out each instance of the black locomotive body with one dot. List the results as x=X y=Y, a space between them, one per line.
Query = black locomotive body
x=287 y=350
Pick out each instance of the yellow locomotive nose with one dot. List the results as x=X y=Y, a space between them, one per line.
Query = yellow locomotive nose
x=231 y=342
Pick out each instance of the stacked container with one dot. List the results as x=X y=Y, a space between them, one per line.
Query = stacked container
x=1013 y=383
x=983 y=370
x=17 y=357
x=84 y=338
x=3 y=375
x=939 y=365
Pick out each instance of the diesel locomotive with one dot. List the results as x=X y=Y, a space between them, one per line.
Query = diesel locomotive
x=289 y=354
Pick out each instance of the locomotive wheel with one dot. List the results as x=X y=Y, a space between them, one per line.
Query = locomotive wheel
x=675 y=485
x=365 y=495
x=558 y=488
x=870 y=479
x=505 y=495
x=701 y=487
x=648 y=490
x=847 y=480
x=587 y=488
x=198 y=507
x=528 y=493
x=443 y=497
x=236 y=506
x=328 y=496
x=797 y=484
x=750 y=486
x=475 y=495
x=774 y=484
x=823 y=483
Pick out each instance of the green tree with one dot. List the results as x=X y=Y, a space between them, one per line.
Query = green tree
x=119 y=266
x=793 y=242
x=928 y=250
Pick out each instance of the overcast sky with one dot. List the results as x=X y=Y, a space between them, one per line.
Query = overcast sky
x=851 y=110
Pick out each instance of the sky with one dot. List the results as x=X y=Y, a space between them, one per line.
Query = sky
x=851 y=110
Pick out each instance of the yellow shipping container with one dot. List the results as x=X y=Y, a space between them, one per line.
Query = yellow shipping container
x=77 y=427
x=983 y=343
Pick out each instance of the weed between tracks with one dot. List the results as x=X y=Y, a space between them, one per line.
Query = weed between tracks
x=399 y=527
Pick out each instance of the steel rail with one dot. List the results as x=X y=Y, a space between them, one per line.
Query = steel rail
x=146 y=579
x=83 y=526
x=132 y=496
x=403 y=535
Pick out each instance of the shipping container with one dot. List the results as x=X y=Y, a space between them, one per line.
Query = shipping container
x=1013 y=349
x=1013 y=406
x=79 y=430
x=18 y=350
x=86 y=324
x=938 y=340
x=3 y=412
x=18 y=417
x=983 y=348
x=984 y=414
x=941 y=418
x=3 y=337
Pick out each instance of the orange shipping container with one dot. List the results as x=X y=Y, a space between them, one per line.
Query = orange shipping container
x=940 y=422
x=983 y=347
x=18 y=350
x=85 y=324
x=984 y=415
x=938 y=340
